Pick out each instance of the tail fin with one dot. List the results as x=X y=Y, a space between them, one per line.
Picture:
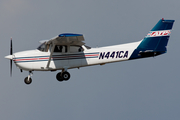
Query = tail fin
x=156 y=40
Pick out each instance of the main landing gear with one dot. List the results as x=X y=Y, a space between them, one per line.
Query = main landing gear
x=63 y=76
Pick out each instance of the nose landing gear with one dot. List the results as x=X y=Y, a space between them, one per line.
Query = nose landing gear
x=28 y=79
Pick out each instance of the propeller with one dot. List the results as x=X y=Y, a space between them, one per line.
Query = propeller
x=11 y=52
x=10 y=57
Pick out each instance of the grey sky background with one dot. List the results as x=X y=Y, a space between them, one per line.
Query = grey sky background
x=144 y=89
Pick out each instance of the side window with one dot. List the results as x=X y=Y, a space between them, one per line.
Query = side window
x=80 y=49
x=76 y=49
x=60 y=48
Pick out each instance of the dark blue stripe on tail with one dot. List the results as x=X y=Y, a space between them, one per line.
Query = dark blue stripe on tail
x=163 y=25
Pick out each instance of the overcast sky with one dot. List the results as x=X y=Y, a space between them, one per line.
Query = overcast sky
x=144 y=89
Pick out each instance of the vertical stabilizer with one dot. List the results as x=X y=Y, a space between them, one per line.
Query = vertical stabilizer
x=155 y=41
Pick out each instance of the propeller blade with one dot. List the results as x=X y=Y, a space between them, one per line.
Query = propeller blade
x=11 y=68
x=11 y=52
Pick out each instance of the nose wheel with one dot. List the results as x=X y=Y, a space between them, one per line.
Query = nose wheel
x=63 y=76
x=28 y=79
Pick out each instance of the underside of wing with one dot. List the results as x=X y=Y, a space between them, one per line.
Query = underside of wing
x=67 y=39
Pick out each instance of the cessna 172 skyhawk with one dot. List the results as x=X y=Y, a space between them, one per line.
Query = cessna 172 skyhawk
x=67 y=51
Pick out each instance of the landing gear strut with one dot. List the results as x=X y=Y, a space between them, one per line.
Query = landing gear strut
x=28 y=79
x=63 y=76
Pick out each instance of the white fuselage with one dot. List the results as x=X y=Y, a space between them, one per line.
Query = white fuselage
x=35 y=60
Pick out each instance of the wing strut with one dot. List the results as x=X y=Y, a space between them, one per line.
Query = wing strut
x=52 y=51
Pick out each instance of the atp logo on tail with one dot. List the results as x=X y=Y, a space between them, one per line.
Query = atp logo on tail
x=158 y=33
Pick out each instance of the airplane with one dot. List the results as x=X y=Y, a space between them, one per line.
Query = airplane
x=68 y=51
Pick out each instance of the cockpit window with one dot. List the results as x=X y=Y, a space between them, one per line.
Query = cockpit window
x=42 y=47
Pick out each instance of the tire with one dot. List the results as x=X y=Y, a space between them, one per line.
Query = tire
x=59 y=77
x=27 y=81
x=65 y=76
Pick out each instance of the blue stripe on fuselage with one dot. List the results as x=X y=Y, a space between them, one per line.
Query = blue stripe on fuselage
x=56 y=57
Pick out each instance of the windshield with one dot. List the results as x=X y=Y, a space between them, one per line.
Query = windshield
x=42 y=47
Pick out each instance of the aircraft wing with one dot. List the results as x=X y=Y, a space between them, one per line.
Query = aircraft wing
x=66 y=39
